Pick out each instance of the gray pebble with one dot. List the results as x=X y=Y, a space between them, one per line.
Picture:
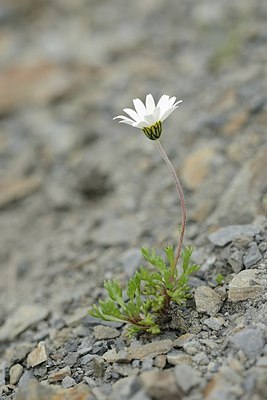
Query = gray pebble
x=186 y=377
x=253 y=256
x=227 y=234
x=250 y=341
x=68 y=382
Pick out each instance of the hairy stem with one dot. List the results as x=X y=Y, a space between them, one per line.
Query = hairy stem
x=182 y=202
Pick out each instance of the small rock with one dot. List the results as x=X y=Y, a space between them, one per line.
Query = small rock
x=71 y=358
x=236 y=261
x=179 y=358
x=105 y=332
x=250 y=341
x=160 y=385
x=78 y=315
x=98 y=367
x=192 y=347
x=244 y=286
x=181 y=340
x=223 y=385
x=140 y=395
x=207 y=300
x=15 y=373
x=130 y=261
x=117 y=232
x=111 y=356
x=2 y=374
x=57 y=376
x=17 y=190
x=197 y=166
x=214 y=323
x=186 y=377
x=68 y=382
x=227 y=234
x=149 y=350
x=126 y=387
x=147 y=364
x=34 y=390
x=23 y=318
x=17 y=353
x=160 y=361
x=37 y=356
x=125 y=369
x=253 y=255
x=201 y=359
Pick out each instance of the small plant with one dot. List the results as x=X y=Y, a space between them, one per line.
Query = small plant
x=219 y=279
x=145 y=303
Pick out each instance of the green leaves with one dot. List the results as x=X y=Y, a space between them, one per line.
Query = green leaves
x=148 y=294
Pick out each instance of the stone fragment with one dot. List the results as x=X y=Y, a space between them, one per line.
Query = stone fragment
x=2 y=374
x=149 y=350
x=181 y=340
x=197 y=166
x=229 y=233
x=222 y=386
x=105 y=332
x=78 y=315
x=140 y=395
x=125 y=369
x=244 y=286
x=236 y=261
x=160 y=385
x=111 y=356
x=130 y=261
x=24 y=317
x=117 y=232
x=250 y=341
x=18 y=352
x=160 y=361
x=58 y=376
x=186 y=377
x=207 y=300
x=37 y=356
x=253 y=256
x=34 y=390
x=214 y=323
x=201 y=359
x=243 y=198
x=126 y=387
x=15 y=373
x=11 y=192
x=179 y=358
x=98 y=366
x=68 y=382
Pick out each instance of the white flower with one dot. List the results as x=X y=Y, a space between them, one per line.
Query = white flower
x=149 y=117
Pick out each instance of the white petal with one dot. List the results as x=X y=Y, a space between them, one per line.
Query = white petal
x=172 y=101
x=167 y=113
x=163 y=100
x=140 y=108
x=150 y=119
x=124 y=118
x=178 y=102
x=132 y=114
x=130 y=122
x=140 y=125
x=150 y=104
x=156 y=114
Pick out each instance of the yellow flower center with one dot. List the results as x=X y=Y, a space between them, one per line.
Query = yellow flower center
x=153 y=132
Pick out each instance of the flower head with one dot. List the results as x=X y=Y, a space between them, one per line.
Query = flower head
x=148 y=116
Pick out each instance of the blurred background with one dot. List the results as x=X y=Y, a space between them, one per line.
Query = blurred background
x=79 y=193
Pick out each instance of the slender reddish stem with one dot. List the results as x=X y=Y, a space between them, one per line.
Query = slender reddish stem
x=181 y=198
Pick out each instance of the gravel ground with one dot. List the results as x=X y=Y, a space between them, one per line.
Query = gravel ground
x=81 y=194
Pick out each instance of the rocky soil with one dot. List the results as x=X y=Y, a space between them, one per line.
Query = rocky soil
x=81 y=194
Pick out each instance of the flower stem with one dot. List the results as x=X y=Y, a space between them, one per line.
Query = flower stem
x=182 y=202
